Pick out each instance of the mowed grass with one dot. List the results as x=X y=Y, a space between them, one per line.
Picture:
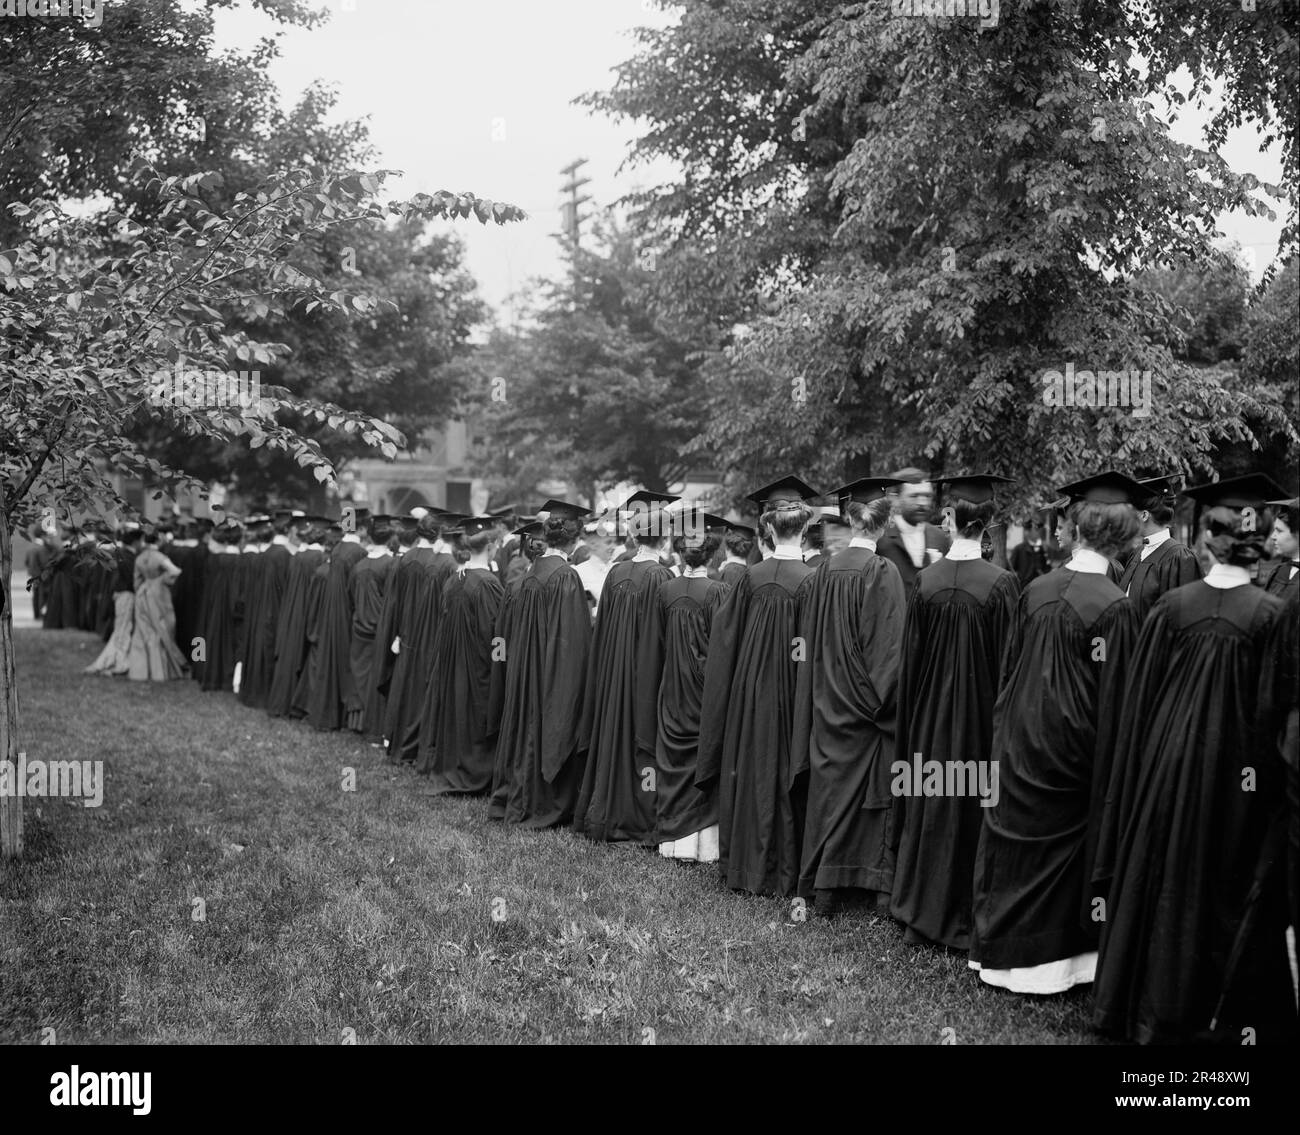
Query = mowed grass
x=403 y=917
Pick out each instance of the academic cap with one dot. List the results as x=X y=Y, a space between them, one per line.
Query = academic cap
x=864 y=490
x=783 y=493
x=646 y=497
x=1166 y=486
x=1290 y=507
x=473 y=525
x=502 y=513
x=321 y=520
x=565 y=509
x=532 y=528
x=383 y=520
x=281 y=514
x=260 y=518
x=1110 y=487
x=716 y=524
x=977 y=488
x=742 y=530
x=1253 y=490
x=408 y=524
x=360 y=514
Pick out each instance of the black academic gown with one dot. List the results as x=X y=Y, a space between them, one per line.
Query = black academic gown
x=501 y=635
x=398 y=674
x=457 y=736
x=843 y=740
x=333 y=692
x=957 y=625
x=312 y=673
x=62 y=591
x=617 y=799
x=746 y=726
x=290 y=644
x=1197 y=796
x=732 y=573
x=1063 y=681
x=1171 y=565
x=267 y=587
x=187 y=599
x=687 y=607
x=412 y=675
x=218 y=654
x=368 y=584
x=1277 y=580
x=540 y=737
x=243 y=597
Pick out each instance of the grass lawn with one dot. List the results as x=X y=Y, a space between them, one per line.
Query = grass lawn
x=399 y=915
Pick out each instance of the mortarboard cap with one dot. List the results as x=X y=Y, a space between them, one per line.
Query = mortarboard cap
x=1110 y=487
x=716 y=524
x=282 y=514
x=864 y=490
x=647 y=497
x=973 y=487
x=565 y=509
x=408 y=523
x=1167 y=486
x=742 y=530
x=1254 y=490
x=473 y=525
x=532 y=528
x=1287 y=507
x=786 y=492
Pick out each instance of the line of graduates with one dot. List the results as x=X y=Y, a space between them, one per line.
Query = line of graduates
x=1123 y=730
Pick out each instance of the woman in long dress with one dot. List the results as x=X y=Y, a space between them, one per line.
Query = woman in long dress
x=154 y=656
x=115 y=658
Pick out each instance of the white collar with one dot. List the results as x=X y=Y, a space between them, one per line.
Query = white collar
x=253 y=548
x=695 y=573
x=378 y=552
x=476 y=567
x=350 y=538
x=1225 y=576
x=283 y=541
x=1157 y=538
x=555 y=552
x=314 y=548
x=645 y=554
x=424 y=542
x=1088 y=562
x=964 y=549
x=730 y=559
x=787 y=552
x=863 y=542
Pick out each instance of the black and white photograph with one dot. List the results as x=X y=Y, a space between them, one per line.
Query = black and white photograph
x=622 y=522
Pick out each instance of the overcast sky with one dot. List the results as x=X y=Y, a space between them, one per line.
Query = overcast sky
x=476 y=96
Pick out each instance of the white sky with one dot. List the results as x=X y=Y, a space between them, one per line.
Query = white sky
x=476 y=96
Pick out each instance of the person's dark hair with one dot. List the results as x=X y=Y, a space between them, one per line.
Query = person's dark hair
x=151 y=533
x=1107 y=529
x=696 y=551
x=428 y=527
x=280 y=525
x=408 y=534
x=815 y=537
x=561 y=531
x=380 y=532
x=1162 y=512
x=229 y=535
x=971 y=519
x=1229 y=542
x=315 y=533
x=870 y=517
x=480 y=541
x=132 y=535
x=738 y=544
x=788 y=522
x=532 y=547
x=1286 y=516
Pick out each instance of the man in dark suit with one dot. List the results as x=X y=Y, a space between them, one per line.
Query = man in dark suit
x=910 y=541
x=1029 y=557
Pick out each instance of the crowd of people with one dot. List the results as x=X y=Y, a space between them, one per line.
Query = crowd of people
x=1076 y=763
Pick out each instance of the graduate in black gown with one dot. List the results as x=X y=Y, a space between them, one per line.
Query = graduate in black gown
x=368 y=584
x=457 y=737
x=531 y=546
x=617 y=799
x=417 y=634
x=540 y=739
x=245 y=587
x=739 y=543
x=686 y=817
x=407 y=533
x=311 y=674
x=190 y=554
x=333 y=693
x=290 y=641
x=1282 y=578
x=1064 y=675
x=755 y=650
x=843 y=738
x=266 y=589
x=1193 y=942
x=958 y=620
x=217 y=653
x=1159 y=563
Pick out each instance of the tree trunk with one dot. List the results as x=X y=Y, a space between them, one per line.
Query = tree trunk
x=11 y=807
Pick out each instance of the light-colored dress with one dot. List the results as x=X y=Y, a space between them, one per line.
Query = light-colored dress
x=154 y=655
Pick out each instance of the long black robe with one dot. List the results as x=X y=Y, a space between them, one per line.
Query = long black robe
x=266 y=592
x=333 y=690
x=957 y=625
x=368 y=583
x=1200 y=782
x=187 y=599
x=731 y=574
x=1063 y=679
x=686 y=610
x=290 y=645
x=1171 y=565
x=63 y=597
x=617 y=799
x=218 y=622
x=844 y=722
x=457 y=739
x=541 y=719
x=501 y=637
x=397 y=674
x=312 y=673
x=746 y=723
x=412 y=674
x=1286 y=697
